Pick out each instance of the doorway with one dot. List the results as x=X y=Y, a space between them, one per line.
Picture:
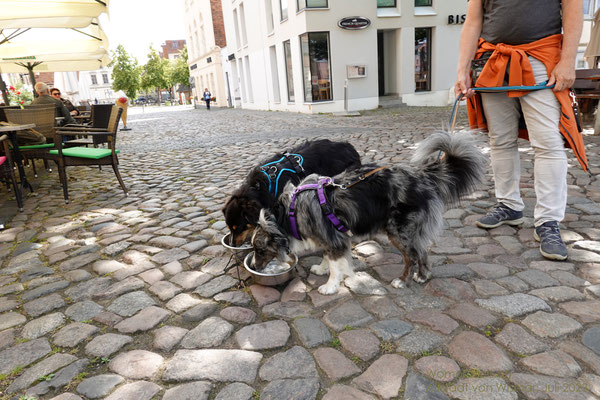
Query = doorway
x=380 y=63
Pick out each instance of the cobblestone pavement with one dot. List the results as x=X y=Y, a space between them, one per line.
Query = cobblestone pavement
x=130 y=297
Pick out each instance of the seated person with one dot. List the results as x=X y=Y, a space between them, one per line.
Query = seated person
x=44 y=98
x=30 y=137
x=54 y=92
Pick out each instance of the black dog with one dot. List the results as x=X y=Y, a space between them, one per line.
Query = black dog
x=404 y=202
x=265 y=182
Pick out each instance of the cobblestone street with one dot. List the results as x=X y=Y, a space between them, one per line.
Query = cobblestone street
x=130 y=298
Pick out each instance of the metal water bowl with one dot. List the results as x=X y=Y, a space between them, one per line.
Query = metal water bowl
x=270 y=279
x=239 y=252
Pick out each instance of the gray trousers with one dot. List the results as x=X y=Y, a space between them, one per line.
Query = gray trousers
x=541 y=110
x=30 y=137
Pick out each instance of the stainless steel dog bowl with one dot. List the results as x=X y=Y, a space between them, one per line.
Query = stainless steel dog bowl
x=268 y=279
x=240 y=251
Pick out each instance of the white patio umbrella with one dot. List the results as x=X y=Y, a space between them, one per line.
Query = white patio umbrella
x=51 y=35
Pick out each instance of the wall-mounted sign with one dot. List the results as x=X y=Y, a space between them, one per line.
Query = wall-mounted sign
x=354 y=23
x=457 y=19
x=356 y=71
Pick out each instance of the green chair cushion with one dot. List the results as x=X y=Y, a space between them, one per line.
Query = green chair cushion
x=85 y=152
x=37 y=146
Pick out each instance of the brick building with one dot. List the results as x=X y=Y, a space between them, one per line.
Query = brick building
x=171 y=49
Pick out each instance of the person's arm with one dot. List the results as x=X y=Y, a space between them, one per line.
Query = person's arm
x=563 y=74
x=64 y=111
x=469 y=38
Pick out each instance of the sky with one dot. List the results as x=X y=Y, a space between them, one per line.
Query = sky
x=136 y=24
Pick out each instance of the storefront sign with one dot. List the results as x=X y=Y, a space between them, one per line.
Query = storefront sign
x=457 y=19
x=354 y=23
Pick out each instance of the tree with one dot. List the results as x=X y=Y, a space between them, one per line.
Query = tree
x=154 y=73
x=126 y=72
x=178 y=71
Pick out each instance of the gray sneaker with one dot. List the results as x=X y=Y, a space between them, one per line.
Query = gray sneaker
x=551 y=244
x=500 y=215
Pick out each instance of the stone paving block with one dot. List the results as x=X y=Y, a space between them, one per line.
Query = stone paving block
x=591 y=339
x=338 y=391
x=381 y=306
x=555 y=363
x=433 y=319
x=136 y=364
x=294 y=363
x=439 y=368
x=167 y=337
x=78 y=262
x=585 y=311
x=7 y=338
x=44 y=367
x=216 y=285
x=41 y=326
x=312 y=332
x=200 y=311
x=44 y=290
x=43 y=305
x=476 y=351
x=130 y=303
x=485 y=288
x=294 y=291
x=23 y=354
x=140 y=390
x=419 y=341
x=457 y=271
x=472 y=315
x=360 y=342
x=165 y=290
x=582 y=354
x=102 y=267
x=87 y=289
x=452 y=288
x=215 y=365
x=239 y=315
x=209 y=333
x=189 y=391
x=420 y=387
x=267 y=335
x=384 y=377
x=10 y=319
x=60 y=379
x=349 y=313
x=364 y=284
x=167 y=256
x=335 y=364
x=519 y=341
x=235 y=391
x=6 y=304
x=99 y=385
x=73 y=334
x=489 y=271
x=264 y=295
x=83 y=310
x=152 y=276
x=321 y=300
x=106 y=345
x=493 y=388
x=391 y=329
x=190 y=279
x=182 y=302
x=551 y=325
x=291 y=389
x=514 y=305
x=288 y=310
x=145 y=320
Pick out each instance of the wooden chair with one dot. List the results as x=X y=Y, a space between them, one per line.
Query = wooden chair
x=7 y=171
x=87 y=156
x=43 y=118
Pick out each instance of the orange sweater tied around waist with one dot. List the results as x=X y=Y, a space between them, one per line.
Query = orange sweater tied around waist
x=547 y=50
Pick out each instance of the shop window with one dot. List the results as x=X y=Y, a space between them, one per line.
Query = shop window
x=423 y=3
x=302 y=4
x=283 y=6
x=422 y=59
x=386 y=3
x=316 y=66
x=288 y=70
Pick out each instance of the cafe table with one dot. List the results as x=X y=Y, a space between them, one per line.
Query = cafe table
x=11 y=131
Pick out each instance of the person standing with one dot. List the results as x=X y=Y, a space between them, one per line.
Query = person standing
x=207 y=98
x=505 y=33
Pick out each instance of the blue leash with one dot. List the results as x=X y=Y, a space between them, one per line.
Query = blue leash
x=496 y=89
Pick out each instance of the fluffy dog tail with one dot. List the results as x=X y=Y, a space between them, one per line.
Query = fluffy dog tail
x=458 y=170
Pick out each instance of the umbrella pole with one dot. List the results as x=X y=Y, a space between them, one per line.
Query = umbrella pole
x=32 y=77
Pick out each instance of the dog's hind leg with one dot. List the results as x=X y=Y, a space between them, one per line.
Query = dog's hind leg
x=423 y=272
x=338 y=267
x=402 y=281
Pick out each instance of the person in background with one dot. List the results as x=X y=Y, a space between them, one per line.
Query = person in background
x=54 y=92
x=541 y=50
x=207 y=98
x=44 y=98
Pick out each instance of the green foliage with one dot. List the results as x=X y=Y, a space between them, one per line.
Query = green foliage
x=179 y=72
x=154 y=72
x=46 y=377
x=126 y=72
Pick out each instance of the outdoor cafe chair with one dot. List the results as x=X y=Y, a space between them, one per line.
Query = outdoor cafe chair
x=7 y=171
x=43 y=118
x=101 y=118
x=89 y=156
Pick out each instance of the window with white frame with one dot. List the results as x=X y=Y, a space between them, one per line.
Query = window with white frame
x=287 y=51
x=302 y=4
x=283 y=6
x=315 y=66
x=94 y=79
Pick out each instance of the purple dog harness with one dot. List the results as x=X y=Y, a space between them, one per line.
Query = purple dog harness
x=325 y=206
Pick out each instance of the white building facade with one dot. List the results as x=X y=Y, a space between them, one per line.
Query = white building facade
x=205 y=37
x=305 y=56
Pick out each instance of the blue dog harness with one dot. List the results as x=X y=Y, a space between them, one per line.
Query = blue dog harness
x=290 y=162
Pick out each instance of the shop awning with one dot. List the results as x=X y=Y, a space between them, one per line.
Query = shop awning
x=50 y=13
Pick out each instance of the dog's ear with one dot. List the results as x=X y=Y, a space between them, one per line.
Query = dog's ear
x=265 y=217
x=282 y=242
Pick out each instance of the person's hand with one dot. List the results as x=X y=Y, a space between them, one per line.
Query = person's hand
x=463 y=85
x=74 y=112
x=562 y=76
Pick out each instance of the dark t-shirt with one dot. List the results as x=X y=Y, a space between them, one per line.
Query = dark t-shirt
x=520 y=21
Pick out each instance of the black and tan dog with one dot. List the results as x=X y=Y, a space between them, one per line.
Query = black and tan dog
x=265 y=182
x=406 y=203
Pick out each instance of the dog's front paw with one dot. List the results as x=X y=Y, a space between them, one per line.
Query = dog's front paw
x=319 y=269
x=329 y=288
x=398 y=283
